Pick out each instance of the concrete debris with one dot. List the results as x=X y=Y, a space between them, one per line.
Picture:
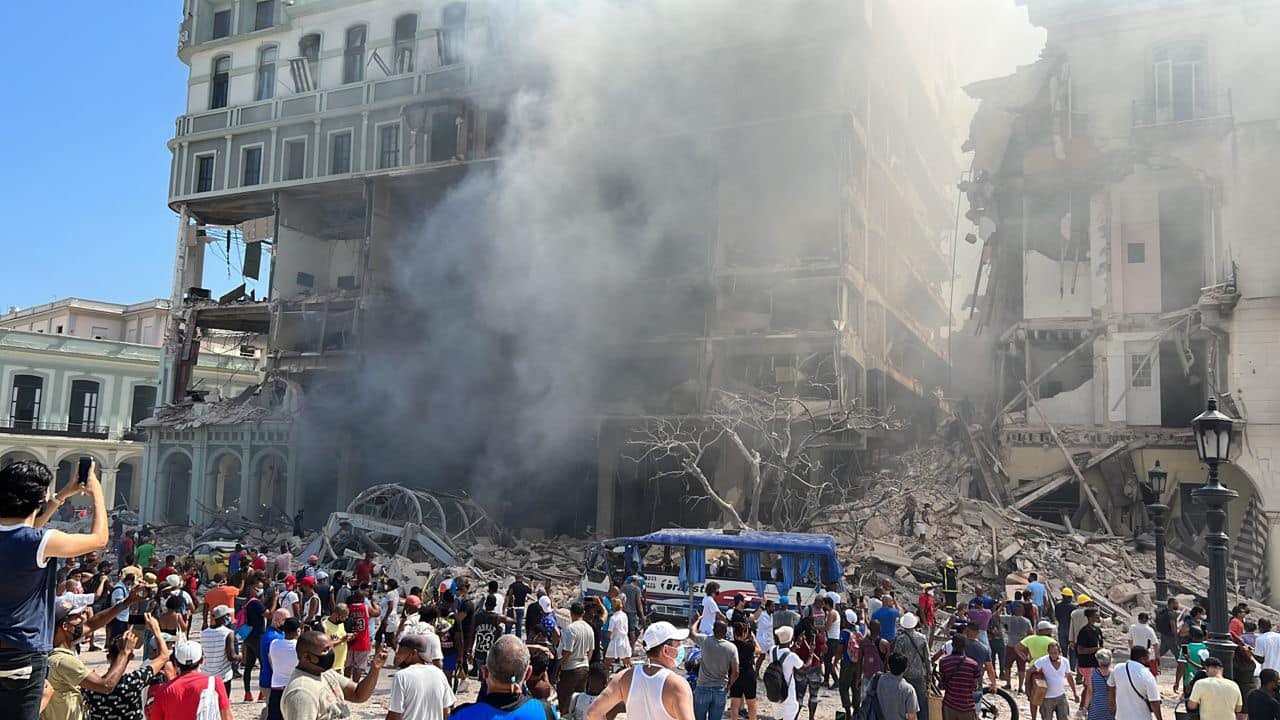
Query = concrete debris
x=958 y=527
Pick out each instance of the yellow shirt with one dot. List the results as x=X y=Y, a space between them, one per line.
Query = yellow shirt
x=66 y=672
x=1037 y=645
x=337 y=631
x=1218 y=698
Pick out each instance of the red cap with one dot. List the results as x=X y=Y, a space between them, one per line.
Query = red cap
x=290 y=581
x=309 y=581
x=412 y=601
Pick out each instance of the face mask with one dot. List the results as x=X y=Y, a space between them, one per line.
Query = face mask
x=77 y=631
x=680 y=655
x=325 y=661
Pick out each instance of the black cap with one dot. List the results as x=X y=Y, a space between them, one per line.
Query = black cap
x=1212 y=662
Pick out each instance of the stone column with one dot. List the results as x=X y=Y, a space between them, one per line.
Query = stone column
x=1273 y=556
x=107 y=476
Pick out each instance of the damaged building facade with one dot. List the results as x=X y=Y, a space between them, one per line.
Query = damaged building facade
x=318 y=133
x=1118 y=187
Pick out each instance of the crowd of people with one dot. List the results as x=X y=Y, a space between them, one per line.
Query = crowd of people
x=178 y=645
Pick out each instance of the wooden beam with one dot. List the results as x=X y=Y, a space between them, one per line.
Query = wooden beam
x=1036 y=381
x=1084 y=486
x=1056 y=483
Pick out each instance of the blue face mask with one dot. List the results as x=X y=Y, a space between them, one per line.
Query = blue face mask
x=680 y=655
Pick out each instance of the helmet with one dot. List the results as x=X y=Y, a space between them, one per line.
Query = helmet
x=1068 y=592
x=950 y=563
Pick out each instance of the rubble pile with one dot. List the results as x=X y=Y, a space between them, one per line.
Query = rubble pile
x=992 y=546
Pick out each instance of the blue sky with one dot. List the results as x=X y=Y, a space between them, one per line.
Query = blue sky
x=90 y=106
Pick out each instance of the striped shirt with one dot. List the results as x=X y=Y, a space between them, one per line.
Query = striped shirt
x=959 y=681
x=213 y=641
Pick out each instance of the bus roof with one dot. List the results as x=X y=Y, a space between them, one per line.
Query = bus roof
x=762 y=540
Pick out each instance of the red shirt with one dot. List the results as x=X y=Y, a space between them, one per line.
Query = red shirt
x=360 y=614
x=364 y=571
x=166 y=571
x=927 y=608
x=260 y=562
x=179 y=699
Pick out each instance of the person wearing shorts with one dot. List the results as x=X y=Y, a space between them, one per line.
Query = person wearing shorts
x=743 y=690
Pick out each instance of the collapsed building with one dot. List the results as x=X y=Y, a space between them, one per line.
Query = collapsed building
x=1127 y=275
x=802 y=208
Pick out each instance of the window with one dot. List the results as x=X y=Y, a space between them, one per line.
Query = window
x=388 y=146
x=405 y=31
x=309 y=48
x=295 y=159
x=220 y=82
x=353 y=55
x=221 y=24
x=1139 y=371
x=340 y=154
x=204 y=174
x=99 y=333
x=453 y=21
x=266 y=72
x=144 y=402
x=252 y=173
x=1180 y=90
x=24 y=408
x=1137 y=253
x=444 y=136
x=82 y=416
x=264 y=14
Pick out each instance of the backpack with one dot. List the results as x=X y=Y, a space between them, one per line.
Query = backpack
x=775 y=679
x=207 y=709
x=870 y=709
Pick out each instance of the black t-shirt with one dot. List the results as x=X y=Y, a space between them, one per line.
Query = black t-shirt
x=1089 y=637
x=468 y=623
x=488 y=630
x=1262 y=705
x=1062 y=613
x=519 y=593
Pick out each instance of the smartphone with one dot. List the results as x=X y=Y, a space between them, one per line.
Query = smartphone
x=82 y=472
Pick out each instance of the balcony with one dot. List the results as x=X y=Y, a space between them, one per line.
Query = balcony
x=20 y=426
x=1184 y=115
x=346 y=99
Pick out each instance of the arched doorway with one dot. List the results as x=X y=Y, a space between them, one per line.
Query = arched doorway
x=272 y=482
x=15 y=456
x=175 y=488
x=222 y=486
x=65 y=472
x=126 y=493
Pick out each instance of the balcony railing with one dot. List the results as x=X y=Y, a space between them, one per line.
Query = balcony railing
x=441 y=79
x=1182 y=110
x=21 y=426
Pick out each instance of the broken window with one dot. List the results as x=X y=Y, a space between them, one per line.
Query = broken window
x=1184 y=233
x=309 y=49
x=204 y=174
x=353 y=55
x=144 y=402
x=389 y=146
x=82 y=416
x=252 y=172
x=340 y=153
x=266 y=72
x=444 y=136
x=453 y=22
x=295 y=159
x=221 y=24
x=1139 y=371
x=1179 y=88
x=24 y=408
x=406 y=30
x=220 y=84
x=264 y=14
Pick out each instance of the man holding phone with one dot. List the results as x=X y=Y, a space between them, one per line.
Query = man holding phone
x=26 y=596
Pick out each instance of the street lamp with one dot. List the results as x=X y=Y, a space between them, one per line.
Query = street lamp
x=1213 y=444
x=1158 y=479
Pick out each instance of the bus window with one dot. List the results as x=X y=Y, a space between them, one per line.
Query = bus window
x=597 y=564
x=662 y=560
x=771 y=567
x=724 y=564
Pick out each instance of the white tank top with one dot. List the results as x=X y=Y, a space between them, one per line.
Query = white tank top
x=644 y=699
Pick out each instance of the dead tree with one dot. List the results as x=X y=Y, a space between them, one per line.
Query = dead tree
x=776 y=434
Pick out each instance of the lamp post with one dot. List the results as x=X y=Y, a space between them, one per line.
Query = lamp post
x=1158 y=478
x=1213 y=444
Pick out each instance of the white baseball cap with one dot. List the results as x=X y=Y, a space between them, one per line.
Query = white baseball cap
x=1045 y=625
x=222 y=611
x=660 y=632
x=173 y=580
x=850 y=616
x=187 y=653
x=910 y=620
